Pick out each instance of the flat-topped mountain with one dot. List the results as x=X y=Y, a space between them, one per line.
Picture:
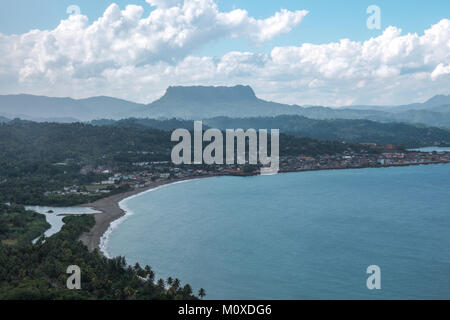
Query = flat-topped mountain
x=206 y=102
x=200 y=102
x=196 y=103
x=209 y=94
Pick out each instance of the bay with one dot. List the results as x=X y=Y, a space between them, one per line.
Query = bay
x=308 y=235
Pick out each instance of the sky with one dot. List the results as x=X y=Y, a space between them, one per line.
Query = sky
x=292 y=51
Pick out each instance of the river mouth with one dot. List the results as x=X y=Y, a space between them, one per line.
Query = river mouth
x=55 y=216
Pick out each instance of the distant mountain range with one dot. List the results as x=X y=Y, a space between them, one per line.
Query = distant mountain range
x=241 y=102
x=197 y=103
x=41 y=108
x=439 y=103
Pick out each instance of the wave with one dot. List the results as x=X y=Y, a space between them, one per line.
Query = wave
x=104 y=240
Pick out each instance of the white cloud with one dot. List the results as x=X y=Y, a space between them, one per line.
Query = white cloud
x=165 y=3
x=123 y=37
x=130 y=56
x=440 y=70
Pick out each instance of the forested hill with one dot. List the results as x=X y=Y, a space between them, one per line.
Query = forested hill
x=352 y=131
x=36 y=158
x=125 y=141
x=54 y=142
x=165 y=125
x=38 y=272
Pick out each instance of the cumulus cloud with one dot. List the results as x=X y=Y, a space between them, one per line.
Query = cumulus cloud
x=123 y=37
x=165 y=3
x=440 y=70
x=130 y=56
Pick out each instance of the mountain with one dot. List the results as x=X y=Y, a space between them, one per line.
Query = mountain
x=178 y=102
x=436 y=117
x=3 y=119
x=206 y=102
x=438 y=103
x=350 y=131
x=46 y=109
x=198 y=102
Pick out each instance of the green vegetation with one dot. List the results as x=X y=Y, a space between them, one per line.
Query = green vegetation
x=18 y=226
x=29 y=272
x=38 y=159
x=350 y=131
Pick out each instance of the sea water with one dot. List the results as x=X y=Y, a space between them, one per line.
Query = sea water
x=432 y=149
x=308 y=235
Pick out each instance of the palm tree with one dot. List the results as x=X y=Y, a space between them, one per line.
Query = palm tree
x=187 y=290
x=148 y=271
x=176 y=283
x=129 y=292
x=161 y=283
x=151 y=276
x=139 y=271
x=169 y=281
x=201 y=293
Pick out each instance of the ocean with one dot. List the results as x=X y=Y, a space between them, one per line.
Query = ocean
x=308 y=235
x=432 y=149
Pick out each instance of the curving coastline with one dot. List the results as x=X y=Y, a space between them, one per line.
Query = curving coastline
x=103 y=246
x=112 y=212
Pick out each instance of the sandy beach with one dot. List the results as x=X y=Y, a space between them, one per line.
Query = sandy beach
x=111 y=211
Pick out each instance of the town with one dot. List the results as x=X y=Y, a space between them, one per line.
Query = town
x=146 y=174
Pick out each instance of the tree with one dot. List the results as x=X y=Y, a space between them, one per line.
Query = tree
x=161 y=284
x=187 y=290
x=149 y=274
x=176 y=283
x=201 y=293
x=38 y=271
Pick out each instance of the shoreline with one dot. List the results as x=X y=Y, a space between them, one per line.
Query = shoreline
x=111 y=211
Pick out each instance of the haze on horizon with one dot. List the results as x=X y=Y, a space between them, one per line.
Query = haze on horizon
x=135 y=52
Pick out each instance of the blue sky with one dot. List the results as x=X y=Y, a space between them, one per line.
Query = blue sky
x=284 y=53
x=327 y=21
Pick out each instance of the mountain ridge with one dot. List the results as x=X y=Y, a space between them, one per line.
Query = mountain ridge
x=203 y=102
x=351 y=131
